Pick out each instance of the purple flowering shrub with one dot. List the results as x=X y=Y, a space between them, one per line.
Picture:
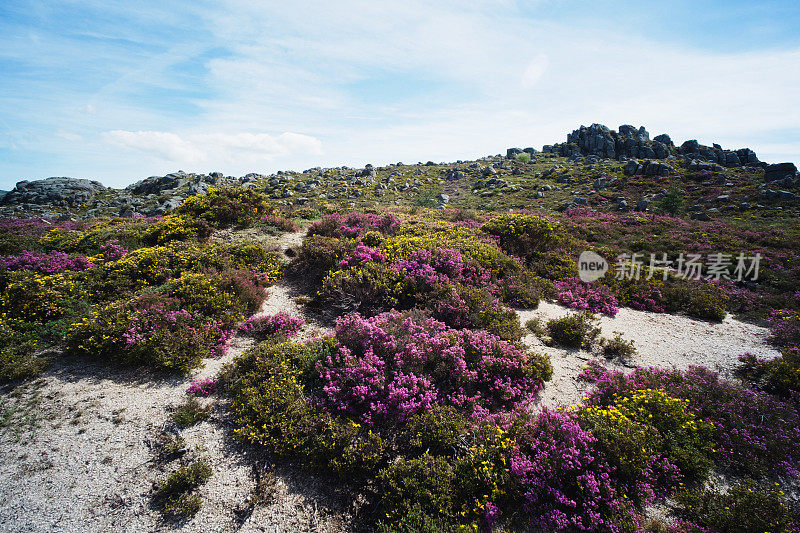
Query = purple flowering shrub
x=202 y=387
x=281 y=323
x=753 y=432
x=354 y=224
x=423 y=268
x=43 y=262
x=280 y=222
x=578 y=294
x=784 y=325
x=112 y=251
x=363 y=254
x=151 y=330
x=390 y=367
x=564 y=484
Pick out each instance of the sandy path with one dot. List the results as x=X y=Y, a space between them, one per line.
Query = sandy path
x=662 y=340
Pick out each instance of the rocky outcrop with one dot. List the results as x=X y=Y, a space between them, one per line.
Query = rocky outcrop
x=62 y=192
x=780 y=171
x=630 y=142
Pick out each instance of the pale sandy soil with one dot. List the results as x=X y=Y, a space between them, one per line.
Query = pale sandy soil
x=77 y=455
x=661 y=340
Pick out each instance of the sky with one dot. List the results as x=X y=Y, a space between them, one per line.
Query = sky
x=117 y=91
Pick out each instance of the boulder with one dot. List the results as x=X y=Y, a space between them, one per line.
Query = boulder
x=779 y=171
x=58 y=191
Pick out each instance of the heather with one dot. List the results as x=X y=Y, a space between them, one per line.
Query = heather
x=422 y=405
x=131 y=291
x=281 y=323
x=753 y=431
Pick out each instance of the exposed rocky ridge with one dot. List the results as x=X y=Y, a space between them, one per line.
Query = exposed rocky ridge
x=629 y=142
x=595 y=153
x=62 y=191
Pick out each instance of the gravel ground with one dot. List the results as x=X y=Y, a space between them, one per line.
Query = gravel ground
x=661 y=340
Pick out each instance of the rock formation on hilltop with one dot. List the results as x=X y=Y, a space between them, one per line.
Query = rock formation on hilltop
x=629 y=142
x=65 y=192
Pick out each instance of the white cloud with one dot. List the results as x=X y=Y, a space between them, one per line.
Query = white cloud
x=535 y=70
x=69 y=136
x=214 y=148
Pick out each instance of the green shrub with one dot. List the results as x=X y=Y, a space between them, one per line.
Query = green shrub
x=439 y=431
x=190 y=412
x=523 y=157
x=520 y=234
x=151 y=330
x=177 y=228
x=319 y=255
x=673 y=202
x=413 y=487
x=17 y=358
x=746 y=506
x=269 y=383
x=33 y=297
x=779 y=376
x=553 y=266
x=534 y=325
x=174 y=494
x=128 y=232
x=372 y=238
x=185 y=504
x=367 y=288
x=525 y=290
x=629 y=446
x=486 y=313
x=616 y=346
x=225 y=207
x=686 y=440
x=695 y=298
x=574 y=331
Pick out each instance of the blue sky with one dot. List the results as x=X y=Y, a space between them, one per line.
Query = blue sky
x=117 y=91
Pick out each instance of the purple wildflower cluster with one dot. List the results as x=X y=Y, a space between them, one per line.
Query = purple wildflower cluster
x=442 y=266
x=390 y=367
x=785 y=327
x=754 y=431
x=578 y=294
x=202 y=387
x=152 y=316
x=362 y=254
x=648 y=298
x=281 y=323
x=43 y=262
x=112 y=250
x=565 y=485
x=354 y=224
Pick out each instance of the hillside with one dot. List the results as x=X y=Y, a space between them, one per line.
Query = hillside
x=603 y=335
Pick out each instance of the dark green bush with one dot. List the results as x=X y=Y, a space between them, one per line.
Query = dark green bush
x=174 y=494
x=190 y=412
x=440 y=431
x=779 y=376
x=318 y=255
x=520 y=234
x=225 y=207
x=746 y=506
x=424 y=486
x=573 y=331
x=695 y=298
x=616 y=346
